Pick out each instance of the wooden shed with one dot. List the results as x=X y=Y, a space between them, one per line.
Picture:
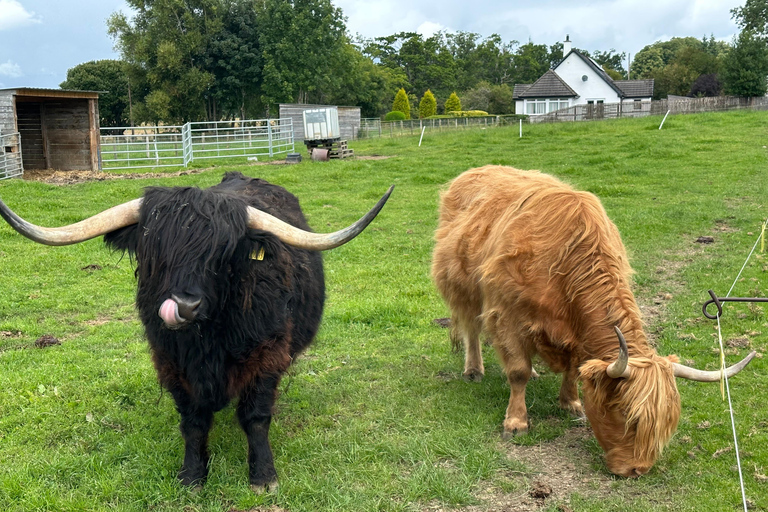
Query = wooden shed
x=349 y=119
x=59 y=128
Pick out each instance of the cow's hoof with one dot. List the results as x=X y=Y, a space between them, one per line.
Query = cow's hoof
x=473 y=375
x=194 y=479
x=510 y=434
x=575 y=409
x=263 y=488
x=514 y=428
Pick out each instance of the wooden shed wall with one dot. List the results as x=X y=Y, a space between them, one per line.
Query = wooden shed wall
x=55 y=134
x=349 y=119
x=7 y=120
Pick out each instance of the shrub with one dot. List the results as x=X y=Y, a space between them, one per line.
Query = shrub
x=401 y=103
x=395 y=115
x=496 y=99
x=470 y=113
x=427 y=105
x=706 y=85
x=453 y=103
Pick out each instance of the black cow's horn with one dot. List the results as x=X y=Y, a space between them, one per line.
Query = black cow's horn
x=686 y=372
x=109 y=220
x=619 y=368
x=296 y=237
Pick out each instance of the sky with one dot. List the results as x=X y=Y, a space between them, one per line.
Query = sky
x=41 y=39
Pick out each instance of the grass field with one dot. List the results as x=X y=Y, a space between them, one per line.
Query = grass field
x=375 y=416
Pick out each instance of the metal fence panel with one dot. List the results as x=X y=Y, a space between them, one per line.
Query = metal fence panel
x=177 y=146
x=147 y=146
x=11 y=164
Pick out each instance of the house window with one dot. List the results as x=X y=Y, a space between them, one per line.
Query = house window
x=638 y=104
x=557 y=104
x=534 y=107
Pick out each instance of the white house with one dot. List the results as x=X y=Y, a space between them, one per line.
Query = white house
x=577 y=80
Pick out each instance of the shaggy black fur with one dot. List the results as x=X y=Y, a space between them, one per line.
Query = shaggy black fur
x=254 y=316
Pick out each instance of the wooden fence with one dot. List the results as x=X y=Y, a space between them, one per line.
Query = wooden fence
x=673 y=104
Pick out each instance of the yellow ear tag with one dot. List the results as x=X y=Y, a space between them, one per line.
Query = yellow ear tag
x=259 y=256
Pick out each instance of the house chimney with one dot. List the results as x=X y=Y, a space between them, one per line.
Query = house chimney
x=566 y=46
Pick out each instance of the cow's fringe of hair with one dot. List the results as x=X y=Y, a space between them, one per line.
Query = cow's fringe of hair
x=648 y=398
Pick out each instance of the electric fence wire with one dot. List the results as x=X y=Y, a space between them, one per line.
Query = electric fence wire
x=725 y=376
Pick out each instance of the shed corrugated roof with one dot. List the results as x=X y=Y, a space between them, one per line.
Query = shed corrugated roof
x=52 y=93
x=550 y=85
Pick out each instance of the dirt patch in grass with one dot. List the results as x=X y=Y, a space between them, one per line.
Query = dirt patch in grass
x=55 y=177
x=555 y=470
x=72 y=177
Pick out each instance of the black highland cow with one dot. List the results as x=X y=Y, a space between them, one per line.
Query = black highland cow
x=230 y=290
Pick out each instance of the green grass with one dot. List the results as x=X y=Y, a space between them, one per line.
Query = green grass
x=375 y=415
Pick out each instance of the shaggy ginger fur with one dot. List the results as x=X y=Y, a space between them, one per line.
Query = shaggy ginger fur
x=542 y=269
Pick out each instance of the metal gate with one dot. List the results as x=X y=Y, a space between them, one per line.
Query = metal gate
x=177 y=146
x=11 y=164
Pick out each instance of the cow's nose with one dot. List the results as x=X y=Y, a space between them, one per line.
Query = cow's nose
x=188 y=306
x=639 y=471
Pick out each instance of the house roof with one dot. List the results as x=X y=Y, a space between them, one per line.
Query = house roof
x=636 y=88
x=550 y=85
x=520 y=89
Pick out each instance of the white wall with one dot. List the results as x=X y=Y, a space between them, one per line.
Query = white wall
x=571 y=71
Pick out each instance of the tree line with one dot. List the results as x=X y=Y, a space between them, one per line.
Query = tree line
x=192 y=60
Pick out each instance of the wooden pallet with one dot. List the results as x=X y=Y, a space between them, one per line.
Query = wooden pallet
x=336 y=148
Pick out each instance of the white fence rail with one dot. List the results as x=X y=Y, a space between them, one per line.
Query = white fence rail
x=177 y=146
x=10 y=156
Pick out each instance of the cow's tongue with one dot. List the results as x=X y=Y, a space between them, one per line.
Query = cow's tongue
x=169 y=312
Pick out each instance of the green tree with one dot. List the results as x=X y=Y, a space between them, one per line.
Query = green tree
x=110 y=78
x=500 y=100
x=688 y=64
x=659 y=54
x=401 y=103
x=746 y=67
x=531 y=61
x=453 y=103
x=168 y=39
x=611 y=62
x=427 y=105
x=234 y=57
x=357 y=80
x=478 y=97
x=752 y=17
x=296 y=39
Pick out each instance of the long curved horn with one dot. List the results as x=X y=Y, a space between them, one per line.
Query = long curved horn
x=296 y=237
x=686 y=372
x=619 y=369
x=109 y=220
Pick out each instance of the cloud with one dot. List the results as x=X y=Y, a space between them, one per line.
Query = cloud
x=14 y=15
x=11 y=69
x=429 y=28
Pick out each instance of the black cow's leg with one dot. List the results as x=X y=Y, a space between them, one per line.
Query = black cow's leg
x=255 y=414
x=195 y=424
